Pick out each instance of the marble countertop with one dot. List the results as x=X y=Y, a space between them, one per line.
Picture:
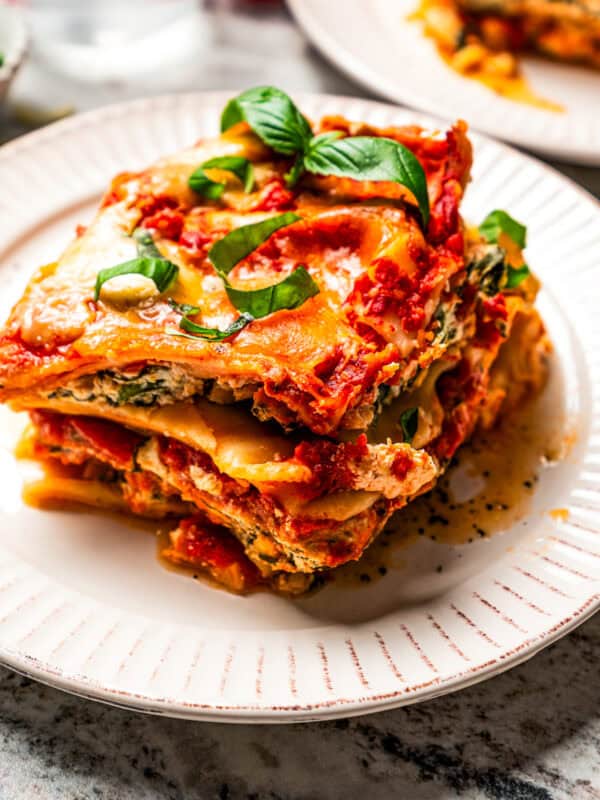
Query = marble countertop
x=530 y=734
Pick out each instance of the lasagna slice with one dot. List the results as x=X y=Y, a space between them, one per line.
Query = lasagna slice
x=382 y=286
x=567 y=30
x=315 y=504
x=277 y=442
x=482 y=39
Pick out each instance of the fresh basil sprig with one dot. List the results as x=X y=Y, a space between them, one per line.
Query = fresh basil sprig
x=212 y=334
x=276 y=120
x=149 y=263
x=409 y=422
x=238 y=165
x=500 y=222
x=289 y=293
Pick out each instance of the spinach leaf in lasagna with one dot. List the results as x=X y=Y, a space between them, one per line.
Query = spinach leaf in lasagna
x=499 y=222
x=409 y=423
x=289 y=293
x=149 y=263
x=239 y=166
x=129 y=392
x=489 y=269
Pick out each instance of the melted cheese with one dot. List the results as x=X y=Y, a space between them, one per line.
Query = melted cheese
x=57 y=331
x=341 y=506
x=239 y=445
x=128 y=290
x=52 y=489
x=425 y=399
x=56 y=304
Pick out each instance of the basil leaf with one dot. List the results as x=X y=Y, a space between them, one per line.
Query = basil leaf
x=254 y=303
x=323 y=138
x=212 y=334
x=293 y=176
x=202 y=184
x=183 y=308
x=239 y=166
x=371 y=158
x=159 y=270
x=145 y=244
x=240 y=242
x=516 y=276
x=275 y=119
x=289 y=293
x=498 y=222
x=409 y=422
x=273 y=116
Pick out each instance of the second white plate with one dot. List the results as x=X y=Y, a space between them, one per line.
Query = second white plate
x=378 y=46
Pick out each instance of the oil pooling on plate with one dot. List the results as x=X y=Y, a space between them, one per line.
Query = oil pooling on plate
x=488 y=488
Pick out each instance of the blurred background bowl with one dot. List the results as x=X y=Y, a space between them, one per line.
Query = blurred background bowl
x=13 y=44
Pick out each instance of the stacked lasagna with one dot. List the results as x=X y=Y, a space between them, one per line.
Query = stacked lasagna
x=278 y=444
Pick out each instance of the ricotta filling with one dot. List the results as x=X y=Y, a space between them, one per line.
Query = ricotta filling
x=149 y=385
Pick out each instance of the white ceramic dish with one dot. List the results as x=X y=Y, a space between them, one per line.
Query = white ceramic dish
x=378 y=46
x=84 y=604
x=13 y=43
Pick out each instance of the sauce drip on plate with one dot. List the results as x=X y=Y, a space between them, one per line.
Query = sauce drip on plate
x=487 y=489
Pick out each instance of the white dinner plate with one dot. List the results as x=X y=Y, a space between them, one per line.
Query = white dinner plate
x=376 y=44
x=86 y=606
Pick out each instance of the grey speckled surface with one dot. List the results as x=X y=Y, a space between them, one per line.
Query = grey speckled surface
x=530 y=734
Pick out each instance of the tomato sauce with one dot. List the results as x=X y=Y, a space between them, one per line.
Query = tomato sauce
x=199 y=543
